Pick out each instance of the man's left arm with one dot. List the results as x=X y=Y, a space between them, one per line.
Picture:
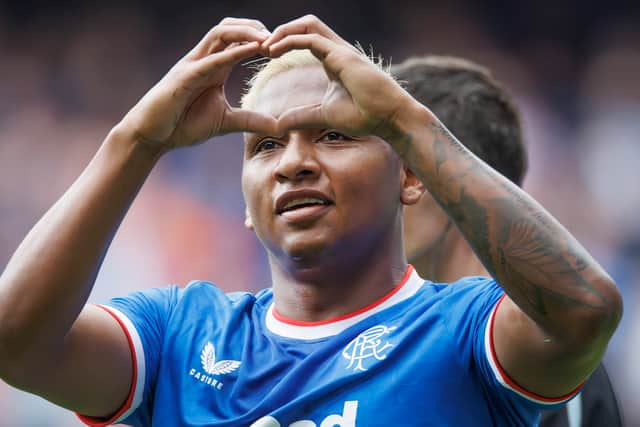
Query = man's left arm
x=561 y=308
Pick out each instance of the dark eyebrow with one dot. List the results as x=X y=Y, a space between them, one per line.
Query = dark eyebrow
x=253 y=136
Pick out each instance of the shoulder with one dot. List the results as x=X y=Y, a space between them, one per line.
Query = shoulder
x=468 y=289
x=207 y=289
x=199 y=298
x=467 y=302
x=477 y=283
x=205 y=294
x=204 y=300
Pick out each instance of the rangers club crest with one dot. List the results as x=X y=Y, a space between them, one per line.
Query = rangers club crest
x=369 y=345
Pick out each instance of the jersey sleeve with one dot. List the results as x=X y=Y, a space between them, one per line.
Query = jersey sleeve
x=143 y=316
x=474 y=302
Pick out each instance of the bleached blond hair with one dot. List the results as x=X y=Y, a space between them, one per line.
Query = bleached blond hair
x=267 y=70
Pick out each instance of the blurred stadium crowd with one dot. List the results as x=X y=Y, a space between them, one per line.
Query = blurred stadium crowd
x=68 y=73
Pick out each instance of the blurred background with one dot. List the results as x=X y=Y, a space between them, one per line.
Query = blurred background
x=70 y=71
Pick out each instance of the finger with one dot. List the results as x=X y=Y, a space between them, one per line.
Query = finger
x=240 y=120
x=319 y=45
x=308 y=24
x=227 y=57
x=243 y=21
x=302 y=117
x=221 y=36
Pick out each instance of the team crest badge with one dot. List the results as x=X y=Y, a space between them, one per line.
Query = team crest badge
x=369 y=345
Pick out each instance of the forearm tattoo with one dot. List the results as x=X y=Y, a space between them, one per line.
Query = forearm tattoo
x=537 y=262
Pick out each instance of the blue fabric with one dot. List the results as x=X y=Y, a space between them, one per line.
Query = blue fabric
x=421 y=362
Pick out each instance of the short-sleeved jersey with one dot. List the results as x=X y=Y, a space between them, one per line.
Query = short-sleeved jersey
x=420 y=356
x=595 y=406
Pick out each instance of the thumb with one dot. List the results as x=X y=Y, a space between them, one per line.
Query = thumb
x=241 y=120
x=304 y=116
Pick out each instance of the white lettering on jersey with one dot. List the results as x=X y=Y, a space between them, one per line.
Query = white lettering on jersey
x=211 y=367
x=367 y=345
x=347 y=419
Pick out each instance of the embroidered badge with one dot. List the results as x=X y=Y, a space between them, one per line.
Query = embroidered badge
x=369 y=344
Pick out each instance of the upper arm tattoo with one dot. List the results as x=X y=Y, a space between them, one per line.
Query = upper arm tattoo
x=533 y=257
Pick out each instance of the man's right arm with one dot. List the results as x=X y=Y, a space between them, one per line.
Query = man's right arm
x=50 y=343
x=46 y=346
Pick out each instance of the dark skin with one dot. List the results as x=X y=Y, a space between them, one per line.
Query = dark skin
x=307 y=247
x=434 y=245
x=549 y=332
x=561 y=309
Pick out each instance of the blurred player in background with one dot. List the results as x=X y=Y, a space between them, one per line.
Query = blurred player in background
x=482 y=115
x=349 y=334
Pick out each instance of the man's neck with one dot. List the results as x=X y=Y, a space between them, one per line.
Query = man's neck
x=332 y=287
x=449 y=261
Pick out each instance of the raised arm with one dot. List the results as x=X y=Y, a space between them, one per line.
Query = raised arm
x=561 y=307
x=50 y=343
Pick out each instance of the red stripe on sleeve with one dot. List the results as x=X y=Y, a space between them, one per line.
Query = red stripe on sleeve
x=103 y=422
x=511 y=382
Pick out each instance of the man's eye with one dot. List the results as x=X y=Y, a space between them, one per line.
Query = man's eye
x=335 y=136
x=266 y=145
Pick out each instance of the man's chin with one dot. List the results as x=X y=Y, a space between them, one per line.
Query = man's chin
x=306 y=254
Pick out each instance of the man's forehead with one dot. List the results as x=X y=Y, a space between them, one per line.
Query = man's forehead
x=292 y=88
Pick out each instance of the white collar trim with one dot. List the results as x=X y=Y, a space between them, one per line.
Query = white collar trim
x=311 y=332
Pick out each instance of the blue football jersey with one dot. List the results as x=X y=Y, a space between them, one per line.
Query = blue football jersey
x=420 y=356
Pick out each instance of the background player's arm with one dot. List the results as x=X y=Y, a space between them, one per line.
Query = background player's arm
x=552 y=329
x=49 y=344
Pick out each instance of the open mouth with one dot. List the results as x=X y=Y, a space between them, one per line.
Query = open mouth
x=302 y=206
x=302 y=203
x=301 y=199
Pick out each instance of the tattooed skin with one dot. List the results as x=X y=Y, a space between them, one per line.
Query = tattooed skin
x=519 y=243
x=532 y=259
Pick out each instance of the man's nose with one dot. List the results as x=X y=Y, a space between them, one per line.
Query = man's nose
x=297 y=161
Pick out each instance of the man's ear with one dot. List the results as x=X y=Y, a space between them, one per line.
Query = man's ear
x=412 y=187
x=247 y=219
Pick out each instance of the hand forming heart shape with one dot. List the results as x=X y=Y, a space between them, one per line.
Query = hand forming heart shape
x=189 y=105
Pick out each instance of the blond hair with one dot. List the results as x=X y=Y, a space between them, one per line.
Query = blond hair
x=269 y=69
x=265 y=71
